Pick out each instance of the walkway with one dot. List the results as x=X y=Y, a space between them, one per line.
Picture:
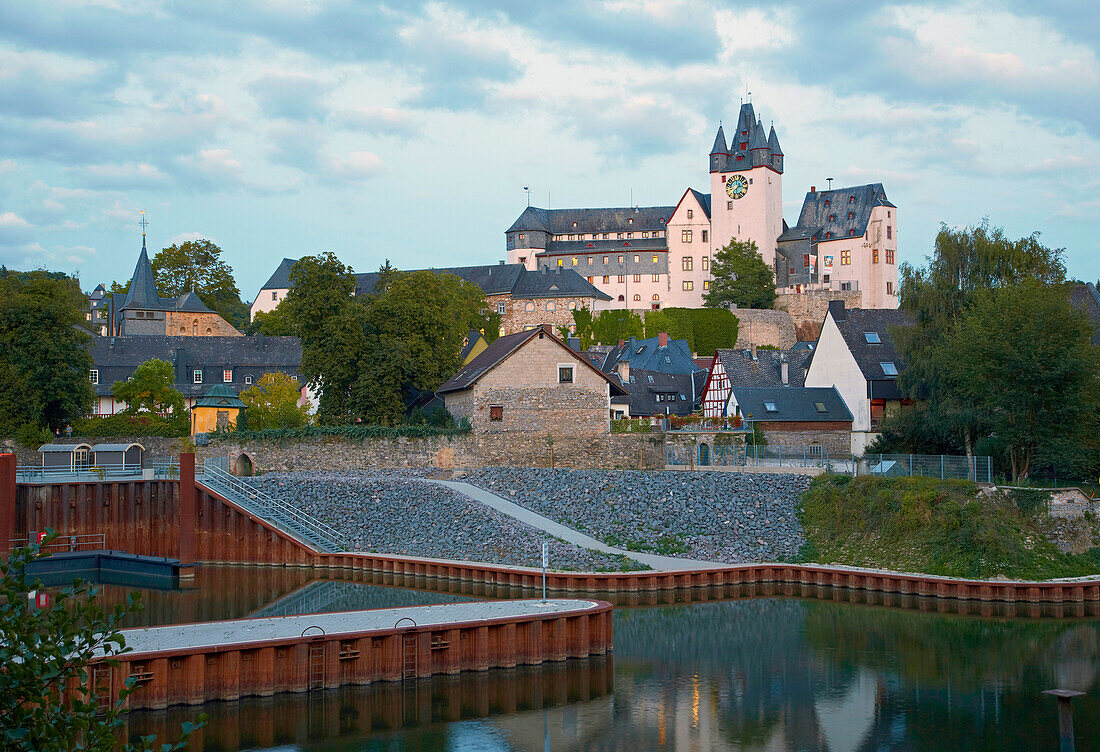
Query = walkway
x=568 y=534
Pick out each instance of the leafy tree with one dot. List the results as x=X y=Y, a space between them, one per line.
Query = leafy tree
x=705 y=329
x=273 y=403
x=965 y=262
x=45 y=650
x=150 y=389
x=1021 y=357
x=274 y=323
x=740 y=276
x=44 y=360
x=197 y=265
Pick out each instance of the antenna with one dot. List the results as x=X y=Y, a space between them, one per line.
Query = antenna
x=527 y=190
x=830 y=183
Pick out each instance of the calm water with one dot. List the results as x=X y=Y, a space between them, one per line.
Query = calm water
x=751 y=673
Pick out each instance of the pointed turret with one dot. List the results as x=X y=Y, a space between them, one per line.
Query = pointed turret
x=746 y=124
x=777 y=152
x=719 y=153
x=759 y=140
x=142 y=292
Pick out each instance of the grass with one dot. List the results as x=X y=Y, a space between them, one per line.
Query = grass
x=934 y=527
x=666 y=544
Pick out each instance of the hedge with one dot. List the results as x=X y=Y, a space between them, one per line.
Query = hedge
x=125 y=424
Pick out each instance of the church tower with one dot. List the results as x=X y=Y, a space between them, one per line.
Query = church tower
x=746 y=182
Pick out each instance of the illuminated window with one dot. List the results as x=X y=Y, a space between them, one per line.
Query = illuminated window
x=656 y=277
x=706 y=263
x=656 y=296
x=688 y=284
x=845 y=258
x=874 y=255
x=687 y=263
x=637 y=277
x=637 y=296
x=574 y=261
x=227 y=375
x=706 y=284
x=685 y=236
x=606 y=279
x=622 y=278
x=637 y=259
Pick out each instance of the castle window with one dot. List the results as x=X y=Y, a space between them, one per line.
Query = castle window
x=656 y=277
x=637 y=277
x=845 y=258
x=889 y=256
x=606 y=279
x=686 y=263
x=622 y=278
x=637 y=296
x=605 y=259
x=529 y=306
x=590 y=280
x=522 y=236
x=706 y=263
x=590 y=260
x=496 y=413
x=706 y=284
x=574 y=261
x=637 y=259
x=656 y=296
x=227 y=375
x=551 y=305
x=655 y=257
x=832 y=218
x=889 y=232
x=630 y=235
x=93 y=376
x=630 y=220
x=704 y=236
x=560 y=263
x=196 y=376
x=502 y=308
x=685 y=236
x=729 y=204
x=691 y=214
x=889 y=288
x=874 y=255
x=687 y=284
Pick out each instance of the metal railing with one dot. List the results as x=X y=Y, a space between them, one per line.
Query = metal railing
x=61 y=543
x=305 y=527
x=159 y=468
x=314 y=598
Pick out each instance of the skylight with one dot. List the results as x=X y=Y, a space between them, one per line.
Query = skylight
x=770 y=407
x=872 y=338
x=889 y=369
x=820 y=407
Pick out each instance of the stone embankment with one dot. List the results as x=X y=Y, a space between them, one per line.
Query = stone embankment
x=393 y=512
x=726 y=517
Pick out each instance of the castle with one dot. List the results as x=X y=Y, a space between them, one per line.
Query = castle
x=659 y=256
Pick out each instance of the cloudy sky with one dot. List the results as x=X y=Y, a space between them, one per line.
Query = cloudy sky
x=408 y=130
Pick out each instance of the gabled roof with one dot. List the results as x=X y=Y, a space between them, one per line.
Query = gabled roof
x=766 y=370
x=219 y=395
x=510 y=279
x=499 y=350
x=792 y=404
x=616 y=219
x=643 y=387
x=472 y=338
x=855 y=323
x=647 y=354
x=189 y=301
x=280 y=278
x=703 y=199
x=819 y=206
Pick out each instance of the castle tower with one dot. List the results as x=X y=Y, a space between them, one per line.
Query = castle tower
x=747 y=189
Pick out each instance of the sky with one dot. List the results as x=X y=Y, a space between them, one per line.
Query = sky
x=407 y=131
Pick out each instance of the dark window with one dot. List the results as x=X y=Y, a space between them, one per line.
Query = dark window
x=496 y=413
x=565 y=374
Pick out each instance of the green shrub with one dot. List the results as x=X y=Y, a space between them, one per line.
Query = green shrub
x=631 y=425
x=134 y=425
x=33 y=436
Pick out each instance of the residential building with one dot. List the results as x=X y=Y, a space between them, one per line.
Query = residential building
x=750 y=368
x=531 y=382
x=141 y=311
x=658 y=375
x=809 y=419
x=846 y=239
x=647 y=258
x=855 y=353
x=199 y=362
x=524 y=298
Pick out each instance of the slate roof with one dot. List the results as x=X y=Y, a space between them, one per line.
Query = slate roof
x=793 y=404
x=647 y=354
x=818 y=206
x=869 y=356
x=703 y=199
x=510 y=279
x=280 y=278
x=1086 y=299
x=644 y=386
x=141 y=295
x=766 y=370
x=720 y=146
x=116 y=358
x=560 y=221
x=499 y=350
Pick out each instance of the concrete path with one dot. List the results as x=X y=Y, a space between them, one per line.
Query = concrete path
x=568 y=534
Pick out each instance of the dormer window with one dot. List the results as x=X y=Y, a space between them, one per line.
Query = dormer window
x=832 y=218
x=574 y=224
x=227 y=375
x=93 y=376
x=851 y=199
x=820 y=407
x=770 y=407
x=630 y=220
x=196 y=376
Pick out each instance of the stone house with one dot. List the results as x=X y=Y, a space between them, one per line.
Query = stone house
x=813 y=419
x=531 y=382
x=856 y=355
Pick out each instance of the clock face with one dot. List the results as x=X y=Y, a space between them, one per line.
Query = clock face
x=737 y=186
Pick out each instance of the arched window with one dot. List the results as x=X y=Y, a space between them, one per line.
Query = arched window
x=529 y=307
x=656 y=296
x=621 y=298
x=637 y=296
x=572 y=305
x=550 y=305
x=195 y=328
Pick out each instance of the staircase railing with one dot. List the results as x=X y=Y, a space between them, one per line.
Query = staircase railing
x=303 y=526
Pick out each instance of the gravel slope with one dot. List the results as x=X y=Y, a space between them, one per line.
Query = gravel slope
x=390 y=512
x=728 y=517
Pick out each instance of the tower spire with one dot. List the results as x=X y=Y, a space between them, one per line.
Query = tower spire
x=144 y=223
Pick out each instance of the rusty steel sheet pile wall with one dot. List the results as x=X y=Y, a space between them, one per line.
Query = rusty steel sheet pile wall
x=191 y=676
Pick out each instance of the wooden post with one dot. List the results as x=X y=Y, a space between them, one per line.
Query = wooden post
x=7 y=502
x=187 y=493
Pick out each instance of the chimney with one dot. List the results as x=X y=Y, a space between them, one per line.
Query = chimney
x=501 y=263
x=662 y=339
x=622 y=342
x=548 y=328
x=623 y=368
x=813 y=189
x=836 y=308
x=784 y=372
x=752 y=350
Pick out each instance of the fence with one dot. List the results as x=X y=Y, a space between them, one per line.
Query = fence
x=152 y=469
x=703 y=454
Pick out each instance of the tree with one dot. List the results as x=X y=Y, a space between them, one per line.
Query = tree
x=150 y=389
x=44 y=360
x=740 y=276
x=44 y=651
x=197 y=265
x=273 y=403
x=1021 y=357
x=274 y=323
x=964 y=263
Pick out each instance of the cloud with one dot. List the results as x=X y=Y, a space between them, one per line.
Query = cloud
x=293 y=96
x=381 y=121
x=14 y=229
x=184 y=237
x=357 y=165
x=121 y=176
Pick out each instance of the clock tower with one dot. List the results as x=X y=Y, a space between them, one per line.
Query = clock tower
x=746 y=179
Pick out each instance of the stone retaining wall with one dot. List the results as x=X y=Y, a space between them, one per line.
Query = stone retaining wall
x=609 y=451
x=764 y=327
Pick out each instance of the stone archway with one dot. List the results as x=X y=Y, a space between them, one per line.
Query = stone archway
x=242 y=465
x=704 y=454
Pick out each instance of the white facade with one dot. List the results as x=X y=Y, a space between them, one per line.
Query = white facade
x=834 y=365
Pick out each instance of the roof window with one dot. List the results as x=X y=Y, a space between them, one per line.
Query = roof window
x=820 y=407
x=650 y=379
x=889 y=369
x=872 y=338
x=770 y=407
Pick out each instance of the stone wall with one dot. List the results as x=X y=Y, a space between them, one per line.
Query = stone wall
x=609 y=451
x=764 y=327
x=835 y=439
x=517 y=318
x=807 y=309
x=184 y=324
